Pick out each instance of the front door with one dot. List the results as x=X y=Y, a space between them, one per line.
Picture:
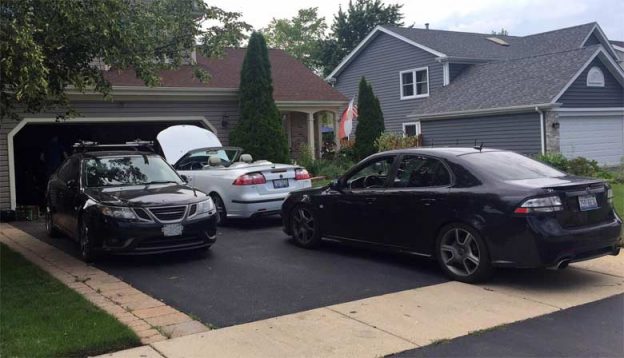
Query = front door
x=418 y=197
x=357 y=211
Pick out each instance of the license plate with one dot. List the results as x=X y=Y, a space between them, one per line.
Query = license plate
x=172 y=230
x=587 y=202
x=280 y=183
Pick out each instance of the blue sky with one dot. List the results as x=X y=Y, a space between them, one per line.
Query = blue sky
x=520 y=17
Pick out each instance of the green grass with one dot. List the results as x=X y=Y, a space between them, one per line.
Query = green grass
x=41 y=317
x=320 y=182
x=618 y=197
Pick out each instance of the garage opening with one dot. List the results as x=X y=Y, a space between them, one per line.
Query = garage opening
x=36 y=141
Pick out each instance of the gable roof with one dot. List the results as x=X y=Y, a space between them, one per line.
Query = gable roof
x=462 y=46
x=292 y=81
x=529 y=81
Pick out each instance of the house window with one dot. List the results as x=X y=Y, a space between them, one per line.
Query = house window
x=595 y=77
x=414 y=83
x=411 y=129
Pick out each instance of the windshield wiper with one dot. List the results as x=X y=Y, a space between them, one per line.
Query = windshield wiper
x=161 y=182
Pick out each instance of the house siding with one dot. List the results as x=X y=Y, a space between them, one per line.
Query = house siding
x=212 y=111
x=380 y=62
x=518 y=132
x=579 y=95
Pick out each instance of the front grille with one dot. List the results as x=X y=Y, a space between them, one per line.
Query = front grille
x=142 y=214
x=159 y=243
x=192 y=210
x=169 y=213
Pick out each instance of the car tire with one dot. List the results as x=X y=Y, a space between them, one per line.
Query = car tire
x=221 y=211
x=85 y=244
x=463 y=254
x=305 y=227
x=51 y=230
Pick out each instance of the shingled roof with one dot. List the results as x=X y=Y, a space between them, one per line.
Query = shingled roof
x=477 y=46
x=508 y=83
x=292 y=81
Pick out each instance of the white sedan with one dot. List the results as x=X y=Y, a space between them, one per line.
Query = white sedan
x=239 y=186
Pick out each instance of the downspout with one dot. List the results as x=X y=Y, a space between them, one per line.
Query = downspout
x=542 y=136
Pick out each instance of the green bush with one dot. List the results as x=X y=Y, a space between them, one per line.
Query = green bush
x=370 y=121
x=556 y=160
x=390 y=141
x=329 y=168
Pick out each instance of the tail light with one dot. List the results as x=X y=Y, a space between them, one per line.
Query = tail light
x=301 y=174
x=250 y=179
x=610 y=196
x=546 y=204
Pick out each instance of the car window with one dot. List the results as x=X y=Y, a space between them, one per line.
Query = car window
x=510 y=166
x=192 y=163
x=69 y=170
x=421 y=172
x=128 y=170
x=372 y=175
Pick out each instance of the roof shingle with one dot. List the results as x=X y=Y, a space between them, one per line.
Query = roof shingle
x=292 y=81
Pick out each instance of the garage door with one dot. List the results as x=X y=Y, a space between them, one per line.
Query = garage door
x=600 y=138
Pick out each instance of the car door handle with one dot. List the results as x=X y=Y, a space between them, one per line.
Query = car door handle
x=428 y=202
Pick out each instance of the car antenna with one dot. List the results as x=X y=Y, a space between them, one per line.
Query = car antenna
x=480 y=147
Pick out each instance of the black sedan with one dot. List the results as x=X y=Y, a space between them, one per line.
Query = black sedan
x=471 y=209
x=127 y=202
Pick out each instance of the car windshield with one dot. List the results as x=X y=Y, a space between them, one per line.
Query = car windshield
x=511 y=166
x=227 y=155
x=128 y=170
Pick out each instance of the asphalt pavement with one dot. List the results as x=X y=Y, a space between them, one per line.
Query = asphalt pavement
x=592 y=330
x=254 y=271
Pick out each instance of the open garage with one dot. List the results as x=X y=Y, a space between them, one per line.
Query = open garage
x=30 y=145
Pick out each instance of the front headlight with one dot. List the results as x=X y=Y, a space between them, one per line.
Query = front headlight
x=118 y=212
x=205 y=206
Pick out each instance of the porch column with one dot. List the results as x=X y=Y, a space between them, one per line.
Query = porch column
x=311 y=133
x=336 y=129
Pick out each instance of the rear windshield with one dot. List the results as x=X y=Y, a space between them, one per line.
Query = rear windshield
x=128 y=170
x=510 y=166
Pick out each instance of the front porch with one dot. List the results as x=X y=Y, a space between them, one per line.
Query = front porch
x=312 y=126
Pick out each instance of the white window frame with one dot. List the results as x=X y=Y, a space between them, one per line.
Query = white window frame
x=414 y=84
x=446 y=74
x=415 y=124
x=598 y=83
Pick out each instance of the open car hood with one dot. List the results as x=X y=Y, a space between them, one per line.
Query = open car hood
x=176 y=141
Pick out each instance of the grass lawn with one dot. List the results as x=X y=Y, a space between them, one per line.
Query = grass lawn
x=41 y=317
x=618 y=197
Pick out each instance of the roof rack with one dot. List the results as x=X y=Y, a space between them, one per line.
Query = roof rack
x=136 y=145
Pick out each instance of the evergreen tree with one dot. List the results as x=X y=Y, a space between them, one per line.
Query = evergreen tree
x=370 y=123
x=259 y=130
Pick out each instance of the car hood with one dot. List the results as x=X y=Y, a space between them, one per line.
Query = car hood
x=142 y=195
x=176 y=141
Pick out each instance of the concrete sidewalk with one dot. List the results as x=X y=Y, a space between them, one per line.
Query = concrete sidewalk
x=404 y=320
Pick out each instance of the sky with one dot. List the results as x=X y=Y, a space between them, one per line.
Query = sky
x=519 y=17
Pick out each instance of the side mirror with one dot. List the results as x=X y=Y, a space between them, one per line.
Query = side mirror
x=335 y=185
x=184 y=177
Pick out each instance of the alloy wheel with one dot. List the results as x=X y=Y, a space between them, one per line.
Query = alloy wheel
x=221 y=211
x=460 y=252
x=303 y=225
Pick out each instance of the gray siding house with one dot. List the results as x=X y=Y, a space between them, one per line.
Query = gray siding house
x=558 y=91
x=142 y=112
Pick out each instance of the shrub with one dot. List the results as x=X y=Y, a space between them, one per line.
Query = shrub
x=330 y=168
x=556 y=160
x=390 y=141
x=370 y=122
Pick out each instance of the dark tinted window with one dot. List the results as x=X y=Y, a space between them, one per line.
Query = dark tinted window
x=510 y=166
x=69 y=170
x=372 y=175
x=421 y=172
x=128 y=170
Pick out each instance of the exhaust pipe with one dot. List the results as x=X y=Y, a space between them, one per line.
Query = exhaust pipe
x=563 y=263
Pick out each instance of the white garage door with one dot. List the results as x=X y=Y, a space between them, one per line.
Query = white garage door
x=594 y=137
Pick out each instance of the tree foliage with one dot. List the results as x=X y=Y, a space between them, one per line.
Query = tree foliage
x=350 y=27
x=259 y=130
x=300 y=36
x=370 y=122
x=48 y=46
x=502 y=32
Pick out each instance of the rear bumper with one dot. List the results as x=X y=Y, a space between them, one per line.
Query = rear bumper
x=247 y=208
x=125 y=238
x=544 y=243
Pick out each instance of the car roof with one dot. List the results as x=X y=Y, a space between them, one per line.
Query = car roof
x=107 y=153
x=442 y=151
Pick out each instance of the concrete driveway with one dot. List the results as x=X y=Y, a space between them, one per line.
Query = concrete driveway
x=255 y=272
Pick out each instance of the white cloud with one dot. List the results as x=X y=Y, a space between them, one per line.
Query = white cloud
x=519 y=17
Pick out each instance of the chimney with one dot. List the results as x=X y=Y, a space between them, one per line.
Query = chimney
x=427 y=25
